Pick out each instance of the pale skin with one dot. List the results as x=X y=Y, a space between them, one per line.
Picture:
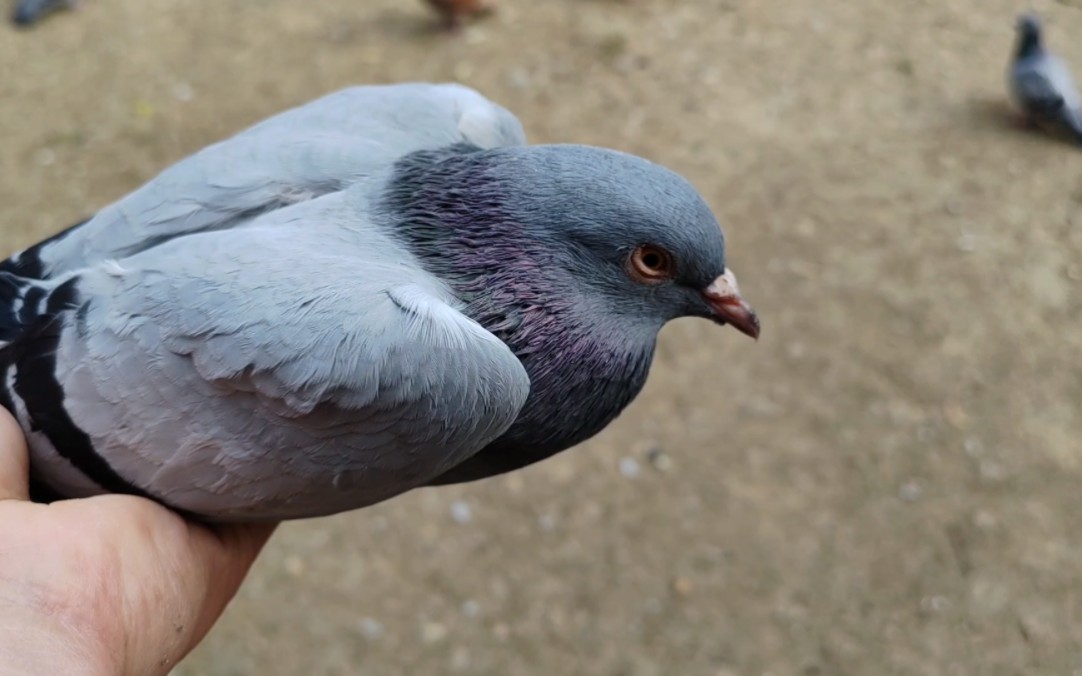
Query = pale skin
x=110 y=585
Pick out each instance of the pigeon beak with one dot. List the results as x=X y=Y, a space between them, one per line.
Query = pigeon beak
x=723 y=297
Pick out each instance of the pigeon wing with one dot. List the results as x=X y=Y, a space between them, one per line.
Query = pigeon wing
x=280 y=370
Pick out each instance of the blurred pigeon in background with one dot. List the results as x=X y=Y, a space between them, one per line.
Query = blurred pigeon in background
x=1040 y=85
x=28 y=12
x=452 y=12
x=380 y=290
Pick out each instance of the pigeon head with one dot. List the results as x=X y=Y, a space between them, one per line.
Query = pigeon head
x=1029 y=34
x=598 y=231
x=575 y=257
x=636 y=239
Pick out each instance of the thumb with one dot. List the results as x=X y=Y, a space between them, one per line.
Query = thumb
x=14 y=460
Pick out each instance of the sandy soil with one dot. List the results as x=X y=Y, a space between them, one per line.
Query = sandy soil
x=888 y=483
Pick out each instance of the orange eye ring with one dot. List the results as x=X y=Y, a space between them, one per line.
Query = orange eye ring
x=650 y=264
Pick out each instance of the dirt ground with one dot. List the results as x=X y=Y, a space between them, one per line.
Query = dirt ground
x=889 y=482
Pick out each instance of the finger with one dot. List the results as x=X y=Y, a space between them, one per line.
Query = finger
x=179 y=588
x=14 y=460
x=229 y=551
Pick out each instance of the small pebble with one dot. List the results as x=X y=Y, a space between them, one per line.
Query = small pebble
x=546 y=522
x=911 y=491
x=934 y=604
x=371 y=629
x=471 y=608
x=966 y=242
x=461 y=512
x=433 y=632
x=476 y=37
x=520 y=78
x=683 y=586
x=501 y=631
x=956 y=415
x=629 y=467
x=183 y=92
x=985 y=520
x=660 y=460
x=973 y=447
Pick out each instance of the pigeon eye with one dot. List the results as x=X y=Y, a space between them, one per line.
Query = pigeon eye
x=650 y=264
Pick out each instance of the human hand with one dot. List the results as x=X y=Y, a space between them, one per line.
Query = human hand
x=110 y=584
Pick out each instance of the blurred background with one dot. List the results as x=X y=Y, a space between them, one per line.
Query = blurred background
x=887 y=483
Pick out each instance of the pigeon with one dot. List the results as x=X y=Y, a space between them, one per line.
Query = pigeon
x=29 y=12
x=1040 y=84
x=452 y=12
x=384 y=289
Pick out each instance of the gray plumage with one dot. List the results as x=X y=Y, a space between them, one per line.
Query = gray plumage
x=1041 y=85
x=380 y=290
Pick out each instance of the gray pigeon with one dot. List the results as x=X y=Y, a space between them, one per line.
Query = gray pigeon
x=1040 y=85
x=380 y=290
x=29 y=12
